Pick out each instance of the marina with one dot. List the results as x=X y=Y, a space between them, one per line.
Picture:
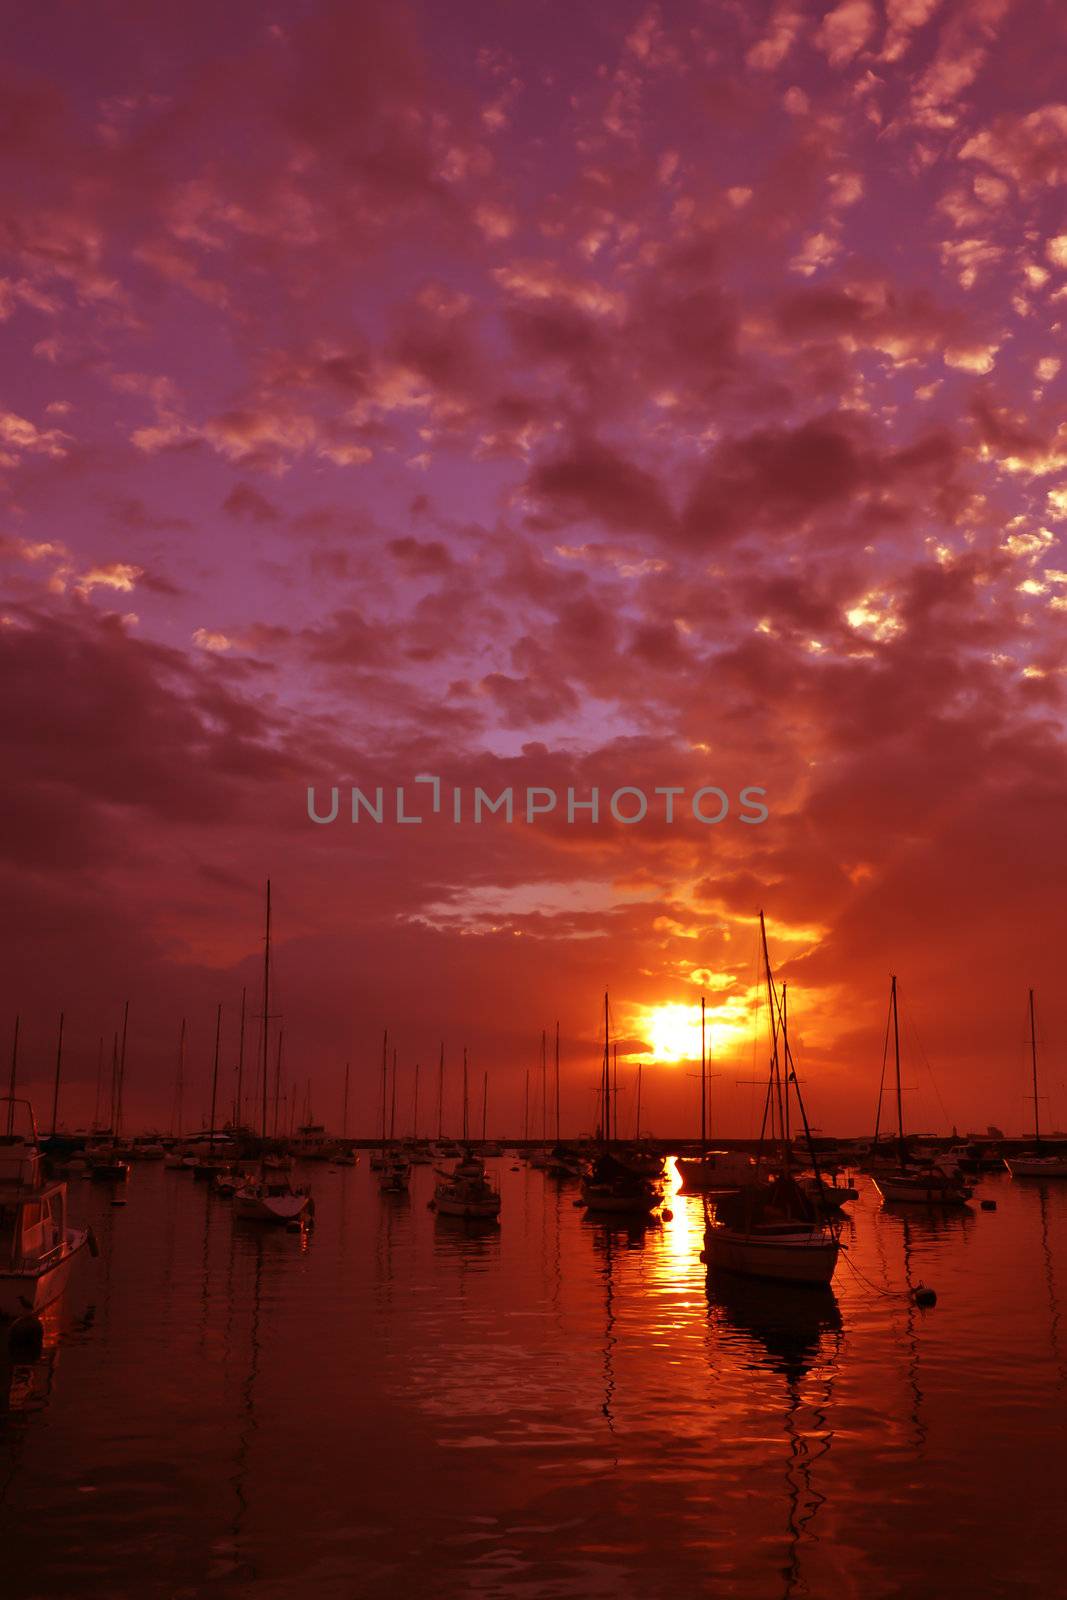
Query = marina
x=584 y=1407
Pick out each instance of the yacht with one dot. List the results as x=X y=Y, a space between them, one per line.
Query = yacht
x=467 y=1192
x=774 y=1229
x=37 y=1248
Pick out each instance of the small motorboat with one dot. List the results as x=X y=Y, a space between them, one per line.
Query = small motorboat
x=37 y=1248
x=926 y=1186
x=827 y=1192
x=395 y=1175
x=106 y=1165
x=469 y=1165
x=1037 y=1166
x=272 y=1198
x=715 y=1170
x=564 y=1163
x=467 y=1193
x=614 y=1187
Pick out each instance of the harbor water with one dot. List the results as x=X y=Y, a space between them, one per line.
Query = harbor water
x=398 y=1405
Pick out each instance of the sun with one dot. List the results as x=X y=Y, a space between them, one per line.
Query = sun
x=674 y=1032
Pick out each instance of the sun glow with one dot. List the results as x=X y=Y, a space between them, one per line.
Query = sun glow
x=673 y=1031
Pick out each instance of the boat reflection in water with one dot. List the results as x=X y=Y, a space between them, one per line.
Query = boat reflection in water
x=797 y=1337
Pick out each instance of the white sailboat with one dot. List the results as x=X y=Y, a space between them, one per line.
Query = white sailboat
x=774 y=1230
x=466 y=1191
x=270 y=1197
x=619 y=1182
x=345 y=1156
x=713 y=1169
x=394 y=1175
x=912 y=1182
x=471 y=1195
x=38 y=1250
x=1038 y=1163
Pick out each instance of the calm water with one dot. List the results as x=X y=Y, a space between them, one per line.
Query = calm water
x=397 y=1406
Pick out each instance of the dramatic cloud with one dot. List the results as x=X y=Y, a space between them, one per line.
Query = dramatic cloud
x=662 y=400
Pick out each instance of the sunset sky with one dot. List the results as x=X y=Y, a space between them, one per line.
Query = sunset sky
x=537 y=394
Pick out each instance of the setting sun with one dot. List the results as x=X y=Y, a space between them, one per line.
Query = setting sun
x=672 y=1032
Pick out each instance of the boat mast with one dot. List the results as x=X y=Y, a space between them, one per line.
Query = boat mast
x=485 y=1101
x=703 y=1085
x=776 y=1072
x=99 y=1080
x=465 y=1097
x=526 y=1111
x=896 y=1057
x=240 y=1064
x=544 y=1088
x=557 y=1082
x=385 y=1076
x=1033 y=1065
x=415 y=1111
x=114 y=1082
x=607 y=1073
x=344 y=1114
x=215 y=1073
x=266 y=1011
x=278 y=1082
x=59 y=1063
x=441 y=1094
x=637 y=1129
x=180 y=1085
x=122 y=1069
x=785 y=1047
x=14 y=1076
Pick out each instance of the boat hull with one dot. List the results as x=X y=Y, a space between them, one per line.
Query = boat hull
x=1037 y=1166
x=918 y=1191
x=604 y=1201
x=803 y=1259
x=714 y=1173
x=23 y=1292
x=270 y=1208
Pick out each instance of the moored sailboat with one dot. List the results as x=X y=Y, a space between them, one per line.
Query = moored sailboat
x=619 y=1184
x=711 y=1170
x=911 y=1182
x=1039 y=1163
x=270 y=1197
x=774 y=1230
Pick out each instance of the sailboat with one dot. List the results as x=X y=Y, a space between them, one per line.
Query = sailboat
x=562 y=1162
x=395 y=1174
x=212 y=1166
x=345 y=1156
x=105 y=1157
x=174 y=1159
x=910 y=1182
x=615 y=1184
x=538 y=1156
x=712 y=1170
x=1036 y=1164
x=773 y=1229
x=270 y=1197
x=466 y=1191
x=37 y=1248
x=379 y=1157
x=416 y=1151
